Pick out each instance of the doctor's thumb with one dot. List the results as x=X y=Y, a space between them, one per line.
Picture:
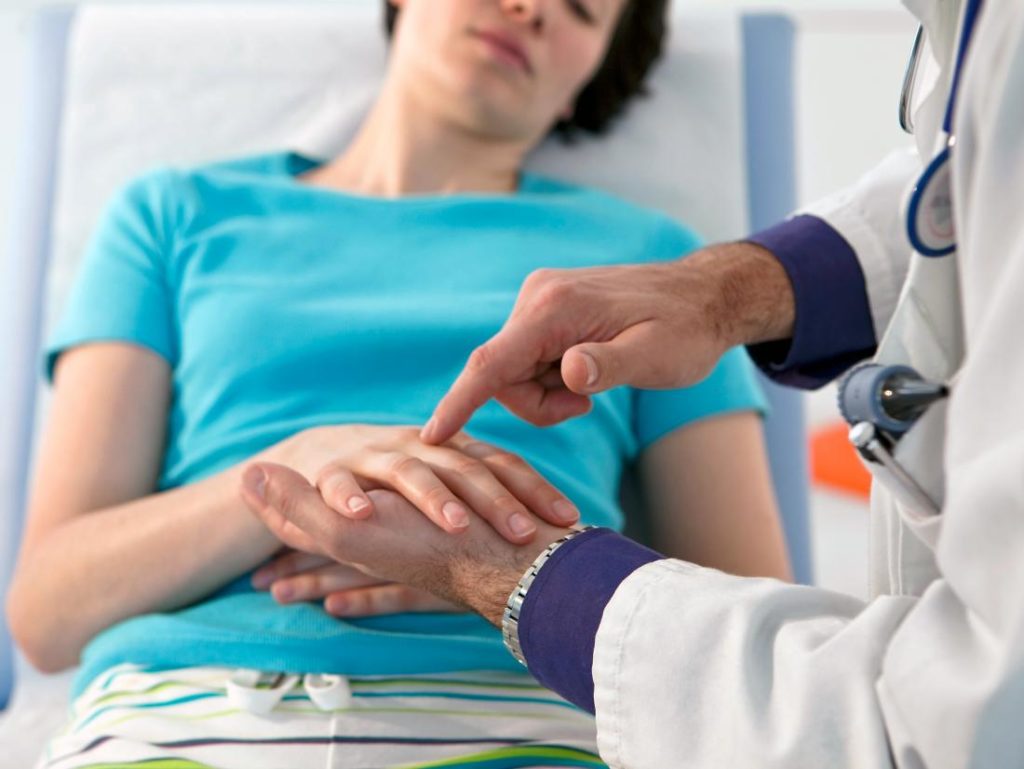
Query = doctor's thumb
x=593 y=368
x=636 y=356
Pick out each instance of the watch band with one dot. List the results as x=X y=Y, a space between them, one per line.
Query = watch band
x=514 y=605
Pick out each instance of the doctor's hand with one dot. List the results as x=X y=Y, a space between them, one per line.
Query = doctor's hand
x=397 y=544
x=573 y=333
x=296 y=576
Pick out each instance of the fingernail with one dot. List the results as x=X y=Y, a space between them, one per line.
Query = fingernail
x=455 y=514
x=336 y=605
x=283 y=592
x=566 y=511
x=521 y=525
x=261 y=580
x=255 y=480
x=356 y=504
x=591 y=369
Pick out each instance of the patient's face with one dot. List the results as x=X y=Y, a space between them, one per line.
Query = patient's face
x=505 y=68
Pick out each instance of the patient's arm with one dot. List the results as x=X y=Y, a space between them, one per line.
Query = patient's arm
x=710 y=497
x=99 y=544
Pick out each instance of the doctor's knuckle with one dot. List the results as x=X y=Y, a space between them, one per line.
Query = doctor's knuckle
x=554 y=294
x=482 y=358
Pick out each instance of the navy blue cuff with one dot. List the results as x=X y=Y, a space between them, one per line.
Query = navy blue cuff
x=833 y=328
x=564 y=605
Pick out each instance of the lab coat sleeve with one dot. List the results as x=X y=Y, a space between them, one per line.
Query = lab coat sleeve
x=869 y=216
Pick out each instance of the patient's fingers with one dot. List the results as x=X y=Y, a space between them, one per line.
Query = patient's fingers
x=292 y=562
x=341 y=491
x=387 y=598
x=514 y=474
x=319 y=583
x=415 y=480
x=473 y=481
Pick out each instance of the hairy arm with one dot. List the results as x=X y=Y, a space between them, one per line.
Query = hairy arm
x=709 y=493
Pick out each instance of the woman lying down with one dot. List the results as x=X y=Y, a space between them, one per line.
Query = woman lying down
x=312 y=314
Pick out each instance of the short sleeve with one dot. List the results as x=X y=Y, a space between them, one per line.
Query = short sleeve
x=122 y=291
x=731 y=387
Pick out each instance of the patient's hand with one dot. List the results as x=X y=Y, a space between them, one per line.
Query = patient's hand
x=397 y=544
x=445 y=482
x=297 y=576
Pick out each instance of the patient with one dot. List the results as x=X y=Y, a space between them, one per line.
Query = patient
x=312 y=314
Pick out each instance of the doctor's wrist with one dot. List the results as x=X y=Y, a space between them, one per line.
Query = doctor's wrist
x=484 y=580
x=754 y=300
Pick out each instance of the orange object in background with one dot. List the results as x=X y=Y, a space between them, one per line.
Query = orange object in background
x=835 y=463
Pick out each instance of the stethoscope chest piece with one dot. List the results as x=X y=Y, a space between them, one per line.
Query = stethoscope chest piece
x=930 y=224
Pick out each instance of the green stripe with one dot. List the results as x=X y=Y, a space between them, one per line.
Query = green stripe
x=519 y=758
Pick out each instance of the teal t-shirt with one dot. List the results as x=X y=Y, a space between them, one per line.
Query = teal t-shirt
x=281 y=306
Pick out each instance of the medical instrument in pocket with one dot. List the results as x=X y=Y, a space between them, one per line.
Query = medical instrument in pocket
x=881 y=403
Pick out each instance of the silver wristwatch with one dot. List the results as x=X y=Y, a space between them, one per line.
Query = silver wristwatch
x=510 y=619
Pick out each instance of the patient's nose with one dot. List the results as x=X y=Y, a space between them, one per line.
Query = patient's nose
x=527 y=12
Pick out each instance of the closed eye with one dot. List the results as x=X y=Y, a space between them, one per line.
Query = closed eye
x=581 y=11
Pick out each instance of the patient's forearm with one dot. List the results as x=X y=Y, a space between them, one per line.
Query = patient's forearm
x=153 y=554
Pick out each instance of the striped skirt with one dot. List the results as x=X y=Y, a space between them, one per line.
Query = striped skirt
x=189 y=719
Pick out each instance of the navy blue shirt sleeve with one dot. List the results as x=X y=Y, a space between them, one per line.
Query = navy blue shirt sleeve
x=833 y=328
x=564 y=605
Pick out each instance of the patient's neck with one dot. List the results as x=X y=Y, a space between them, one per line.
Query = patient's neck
x=403 y=149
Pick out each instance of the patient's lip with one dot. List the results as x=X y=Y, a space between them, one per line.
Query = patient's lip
x=507 y=47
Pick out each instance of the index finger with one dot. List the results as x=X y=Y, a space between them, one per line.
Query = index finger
x=509 y=357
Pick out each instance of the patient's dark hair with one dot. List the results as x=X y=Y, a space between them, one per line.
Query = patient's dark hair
x=635 y=45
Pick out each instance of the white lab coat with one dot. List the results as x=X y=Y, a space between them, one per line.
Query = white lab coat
x=695 y=668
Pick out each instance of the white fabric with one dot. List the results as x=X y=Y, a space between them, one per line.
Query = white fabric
x=694 y=668
x=869 y=217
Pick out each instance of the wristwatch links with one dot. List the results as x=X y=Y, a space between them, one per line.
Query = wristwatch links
x=514 y=605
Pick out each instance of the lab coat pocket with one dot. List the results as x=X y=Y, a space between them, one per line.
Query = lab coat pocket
x=920 y=452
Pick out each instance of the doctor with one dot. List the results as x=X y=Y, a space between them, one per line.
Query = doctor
x=690 y=667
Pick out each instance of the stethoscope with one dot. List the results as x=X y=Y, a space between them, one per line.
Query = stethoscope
x=930 y=223
x=882 y=402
